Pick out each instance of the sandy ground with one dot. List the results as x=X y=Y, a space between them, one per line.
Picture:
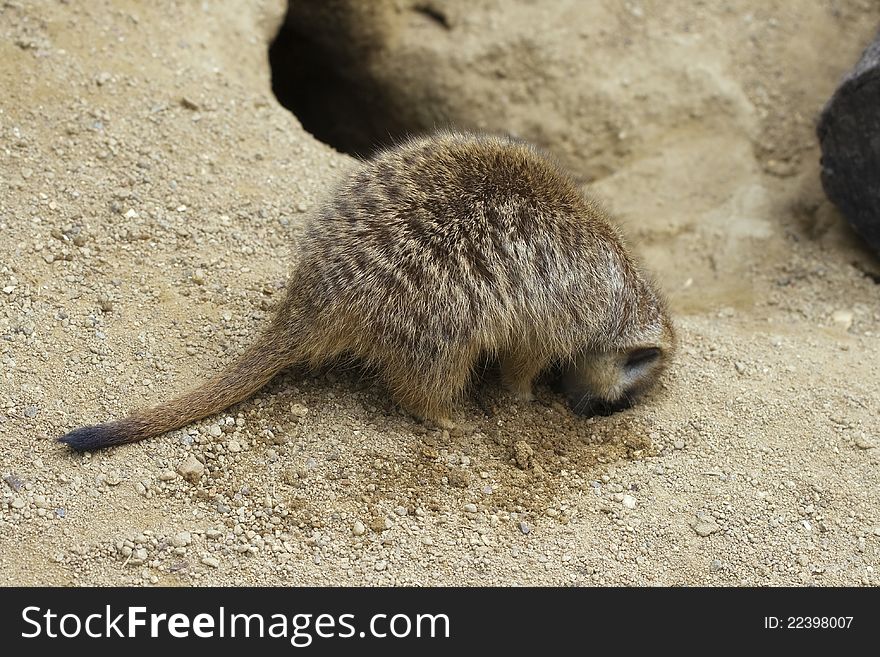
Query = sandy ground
x=151 y=194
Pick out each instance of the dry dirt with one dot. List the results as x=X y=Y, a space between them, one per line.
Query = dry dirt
x=151 y=194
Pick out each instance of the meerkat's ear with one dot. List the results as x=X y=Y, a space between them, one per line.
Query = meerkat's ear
x=641 y=357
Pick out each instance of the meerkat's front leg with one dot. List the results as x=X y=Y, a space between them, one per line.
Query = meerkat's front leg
x=518 y=371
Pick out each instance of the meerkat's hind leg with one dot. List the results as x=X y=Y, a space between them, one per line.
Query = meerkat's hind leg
x=518 y=370
x=429 y=392
x=431 y=406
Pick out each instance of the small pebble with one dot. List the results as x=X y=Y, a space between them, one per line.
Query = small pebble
x=358 y=529
x=14 y=482
x=523 y=453
x=705 y=527
x=191 y=469
x=843 y=318
x=470 y=508
x=524 y=527
x=213 y=562
x=629 y=501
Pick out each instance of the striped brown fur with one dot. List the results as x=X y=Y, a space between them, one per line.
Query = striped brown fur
x=433 y=254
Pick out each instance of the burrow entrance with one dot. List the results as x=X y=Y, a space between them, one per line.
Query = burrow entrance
x=320 y=63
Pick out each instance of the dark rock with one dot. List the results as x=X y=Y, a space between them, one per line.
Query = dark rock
x=849 y=133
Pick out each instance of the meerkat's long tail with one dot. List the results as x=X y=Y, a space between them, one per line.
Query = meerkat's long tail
x=254 y=369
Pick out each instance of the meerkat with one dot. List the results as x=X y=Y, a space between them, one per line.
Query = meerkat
x=432 y=255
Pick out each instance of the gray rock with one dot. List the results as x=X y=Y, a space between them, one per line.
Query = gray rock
x=13 y=481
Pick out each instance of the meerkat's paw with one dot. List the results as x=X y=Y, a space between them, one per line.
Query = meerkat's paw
x=524 y=395
x=521 y=393
x=434 y=421
x=442 y=423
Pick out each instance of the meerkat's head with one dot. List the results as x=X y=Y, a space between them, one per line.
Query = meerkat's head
x=602 y=381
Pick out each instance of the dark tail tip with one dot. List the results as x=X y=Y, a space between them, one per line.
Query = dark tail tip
x=85 y=439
